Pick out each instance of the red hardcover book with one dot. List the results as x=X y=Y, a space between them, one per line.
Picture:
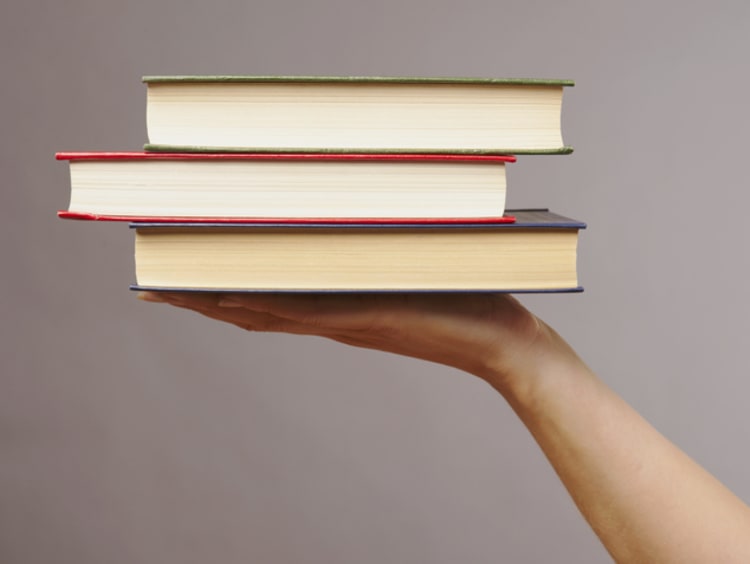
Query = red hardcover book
x=298 y=188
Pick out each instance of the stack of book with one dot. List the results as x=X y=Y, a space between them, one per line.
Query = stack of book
x=334 y=184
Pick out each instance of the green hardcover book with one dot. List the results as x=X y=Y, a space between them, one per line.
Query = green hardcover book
x=316 y=114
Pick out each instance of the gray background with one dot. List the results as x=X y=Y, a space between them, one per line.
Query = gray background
x=131 y=432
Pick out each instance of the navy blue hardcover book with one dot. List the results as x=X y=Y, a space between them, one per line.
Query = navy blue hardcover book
x=535 y=253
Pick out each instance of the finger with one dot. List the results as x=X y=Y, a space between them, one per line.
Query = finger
x=179 y=298
x=206 y=304
x=347 y=312
x=263 y=322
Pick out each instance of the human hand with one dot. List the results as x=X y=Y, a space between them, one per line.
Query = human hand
x=490 y=335
x=625 y=477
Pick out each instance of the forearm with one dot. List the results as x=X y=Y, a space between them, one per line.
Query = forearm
x=646 y=500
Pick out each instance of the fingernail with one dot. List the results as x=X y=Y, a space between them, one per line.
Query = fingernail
x=229 y=302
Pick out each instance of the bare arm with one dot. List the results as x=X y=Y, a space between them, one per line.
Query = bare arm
x=645 y=499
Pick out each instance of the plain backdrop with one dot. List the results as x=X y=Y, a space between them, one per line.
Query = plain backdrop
x=132 y=432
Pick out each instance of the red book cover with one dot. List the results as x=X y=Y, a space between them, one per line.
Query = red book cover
x=383 y=157
x=506 y=218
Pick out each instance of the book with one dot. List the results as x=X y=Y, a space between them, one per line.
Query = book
x=263 y=187
x=537 y=253
x=354 y=114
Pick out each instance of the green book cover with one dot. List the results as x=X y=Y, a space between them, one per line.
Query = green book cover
x=359 y=79
x=159 y=148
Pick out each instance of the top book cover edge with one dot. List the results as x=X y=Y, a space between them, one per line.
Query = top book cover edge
x=358 y=79
x=281 y=156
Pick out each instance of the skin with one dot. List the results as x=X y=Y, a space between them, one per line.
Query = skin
x=646 y=500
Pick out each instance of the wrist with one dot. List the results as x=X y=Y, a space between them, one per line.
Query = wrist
x=534 y=369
